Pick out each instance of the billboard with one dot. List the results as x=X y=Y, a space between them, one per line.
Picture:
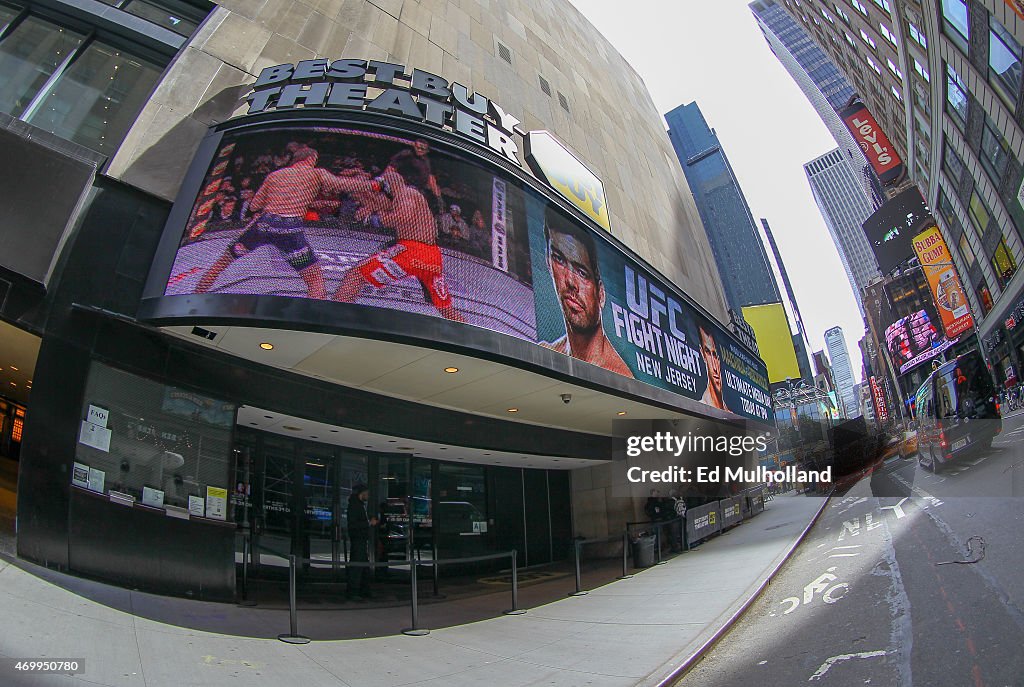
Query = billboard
x=890 y=228
x=880 y=153
x=551 y=162
x=947 y=291
x=774 y=340
x=389 y=221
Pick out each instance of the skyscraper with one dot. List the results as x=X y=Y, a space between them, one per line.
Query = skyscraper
x=821 y=81
x=943 y=80
x=844 y=207
x=735 y=242
x=835 y=342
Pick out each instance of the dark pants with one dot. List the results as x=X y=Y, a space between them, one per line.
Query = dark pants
x=358 y=576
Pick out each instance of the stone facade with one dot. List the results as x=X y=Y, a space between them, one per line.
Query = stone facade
x=607 y=117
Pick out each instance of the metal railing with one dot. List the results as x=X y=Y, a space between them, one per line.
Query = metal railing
x=293 y=636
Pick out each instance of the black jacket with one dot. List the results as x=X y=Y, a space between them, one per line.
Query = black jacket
x=358 y=520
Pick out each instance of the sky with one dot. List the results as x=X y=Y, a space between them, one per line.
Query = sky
x=712 y=52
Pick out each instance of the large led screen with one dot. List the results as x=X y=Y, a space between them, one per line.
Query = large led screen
x=386 y=221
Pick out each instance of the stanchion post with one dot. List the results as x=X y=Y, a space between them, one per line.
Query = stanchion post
x=293 y=637
x=415 y=630
x=657 y=545
x=515 y=610
x=578 y=549
x=246 y=557
x=625 y=553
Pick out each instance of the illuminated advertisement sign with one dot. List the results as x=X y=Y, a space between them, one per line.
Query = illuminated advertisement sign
x=947 y=290
x=890 y=229
x=879 y=152
x=775 y=340
x=551 y=162
x=389 y=221
x=878 y=396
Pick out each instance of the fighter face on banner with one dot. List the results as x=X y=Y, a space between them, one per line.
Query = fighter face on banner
x=575 y=272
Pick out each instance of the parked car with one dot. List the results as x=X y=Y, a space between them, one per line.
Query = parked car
x=957 y=412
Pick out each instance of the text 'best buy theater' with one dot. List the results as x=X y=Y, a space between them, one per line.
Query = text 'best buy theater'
x=255 y=257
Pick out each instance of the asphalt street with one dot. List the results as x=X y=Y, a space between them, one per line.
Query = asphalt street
x=882 y=591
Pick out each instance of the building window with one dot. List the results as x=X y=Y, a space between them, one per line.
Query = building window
x=850 y=40
x=889 y=35
x=95 y=101
x=984 y=297
x=563 y=101
x=896 y=94
x=994 y=152
x=1003 y=264
x=867 y=39
x=504 y=53
x=878 y=70
x=174 y=15
x=894 y=69
x=884 y=4
x=956 y=96
x=859 y=7
x=952 y=164
x=18 y=426
x=979 y=212
x=827 y=16
x=1004 y=70
x=918 y=35
x=954 y=15
x=919 y=68
x=966 y=252
x=71 y=83
x=841 y=13
x=544 y=85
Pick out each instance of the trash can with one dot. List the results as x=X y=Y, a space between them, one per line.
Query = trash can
x=643 y=551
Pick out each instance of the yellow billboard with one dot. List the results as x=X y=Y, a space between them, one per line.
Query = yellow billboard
x=553 y=163
x=774 y=340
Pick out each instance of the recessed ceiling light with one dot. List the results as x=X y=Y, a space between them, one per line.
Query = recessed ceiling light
x=291 y=428
x=14 y=368
x=313 y=436
x=392 y=441
x=267 y=346
x=269 y=417
x=554 y=460
x=404 y=448
x=513 y=410
x=451 y=370
x=335 y=431
x=253 y=424
x=622 y=412
x=13 y=384
x=367 y=447
x=444 y=448
x=487 y=454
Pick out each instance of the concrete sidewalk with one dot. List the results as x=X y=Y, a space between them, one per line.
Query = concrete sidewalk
x=631 y=632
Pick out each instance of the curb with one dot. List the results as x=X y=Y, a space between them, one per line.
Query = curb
x=684 y=667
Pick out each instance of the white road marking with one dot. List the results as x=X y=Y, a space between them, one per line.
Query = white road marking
x=897 y=509
x=820 y=672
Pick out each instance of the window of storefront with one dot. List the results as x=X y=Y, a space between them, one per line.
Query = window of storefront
x=955 y=23
x=1004 y=67
x=1003 y=264
x=956 y=97
x=966 y=251
x=156 y=444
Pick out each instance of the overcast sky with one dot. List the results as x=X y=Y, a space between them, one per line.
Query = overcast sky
x=712 y=52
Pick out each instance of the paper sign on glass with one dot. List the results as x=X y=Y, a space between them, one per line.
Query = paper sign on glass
x=216 y=503
x=95 y=436
x=196 y=506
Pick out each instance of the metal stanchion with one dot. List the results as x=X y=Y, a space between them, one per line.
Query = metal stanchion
x=515 y=610
x=579 y=586
x=293 y=637
x=625 y=553
x=415 y=631
x=657 y=546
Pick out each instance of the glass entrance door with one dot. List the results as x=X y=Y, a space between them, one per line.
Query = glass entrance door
x=319 y=531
